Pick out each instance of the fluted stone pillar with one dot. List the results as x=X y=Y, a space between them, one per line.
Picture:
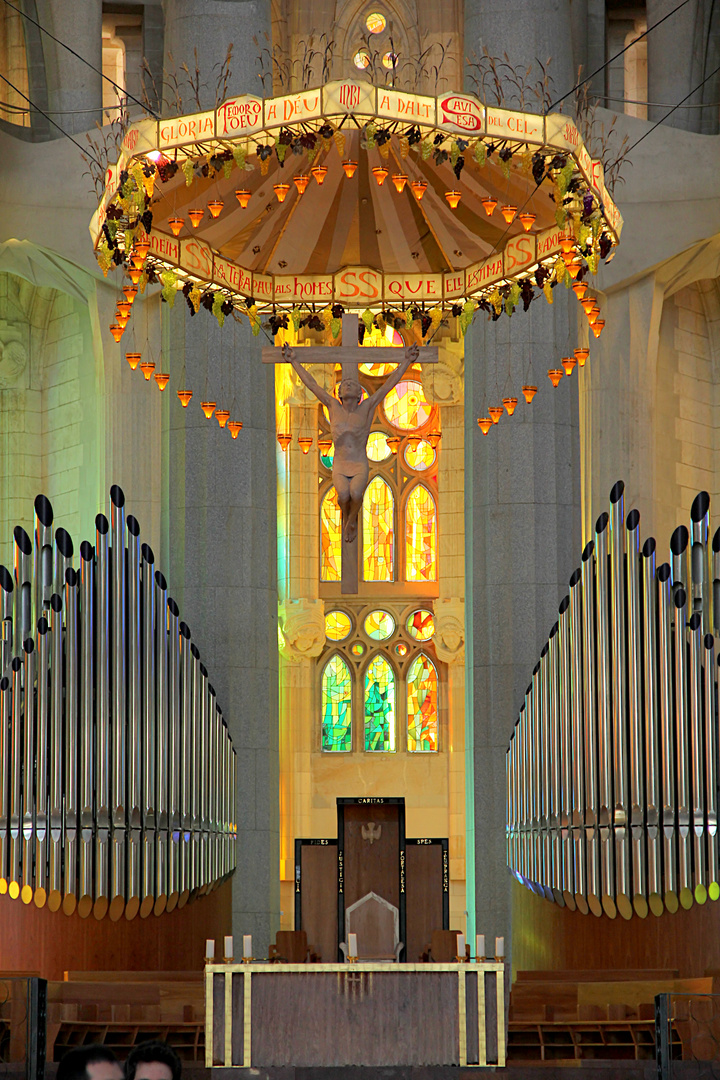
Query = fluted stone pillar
x=74 y=89
x=222 y=496
x=522 y=486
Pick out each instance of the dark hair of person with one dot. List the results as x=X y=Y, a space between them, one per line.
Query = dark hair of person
x=152 y=1051
x=74 y=1064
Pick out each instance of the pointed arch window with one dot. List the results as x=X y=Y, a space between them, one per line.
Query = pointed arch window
x=422 y=705
x=420 y=536
x=379 y=701
x=336 y=691
x=330 y=537
x=378 y=514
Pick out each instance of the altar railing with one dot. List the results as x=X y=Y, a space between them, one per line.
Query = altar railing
x=369 y=1014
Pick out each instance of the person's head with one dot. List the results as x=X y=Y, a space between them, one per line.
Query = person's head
x=152 y=1061
x=90 y=1063
x=350 y=392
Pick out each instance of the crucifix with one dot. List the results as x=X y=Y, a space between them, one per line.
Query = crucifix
x=350 y=421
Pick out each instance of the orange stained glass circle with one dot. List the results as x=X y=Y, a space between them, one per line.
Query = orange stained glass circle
x=376 y=22
x=421 y=625
x=337 y=625
x=361 y=60
x=419 y=457
x=406 y=406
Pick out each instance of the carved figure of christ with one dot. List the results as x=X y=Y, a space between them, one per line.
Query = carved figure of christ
x=350 y=423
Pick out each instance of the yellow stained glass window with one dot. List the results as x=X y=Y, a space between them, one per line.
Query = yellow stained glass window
x=420 y=536
x=337 y=625
x=377 y=447
x=378 y=532
x=406 y=406
x=330 y=538
x=420 y=455
x=376 y=22
x=422 y=705
x=380 y=706
x=379 y=625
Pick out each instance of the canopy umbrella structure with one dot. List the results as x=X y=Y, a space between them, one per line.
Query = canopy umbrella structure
x=352 y=196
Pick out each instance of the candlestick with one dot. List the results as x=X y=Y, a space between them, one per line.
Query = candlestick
x=247 y=947
x=499 y=948
x=229 y=948
x=209 y=950
x=479 y=947
x=352 y=946
x=461 y=947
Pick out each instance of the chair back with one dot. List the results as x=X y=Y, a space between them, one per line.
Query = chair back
x=292 y=946
x=377 y=924
x=443 y=946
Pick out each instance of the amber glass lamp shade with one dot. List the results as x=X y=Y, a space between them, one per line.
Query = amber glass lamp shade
x=380 y=173
x=573 y=268
x=176 y=224
x=133 y=359
x=593 y=314
x=122 y=319
x=134 y=274
x=579 y=288
x=496 y=412
x=324 y=443
x=162 y=379
x=349 y=168
x=453 y=197
x=123 y=307
x=567 y=244
x=588 y=304
x=196 y=217
x=234 y=427
x=484 y=423
x=568 y=363
x=243 y=197
x=319 y=172
x=529 y=393
x=116 y=330
x=284 y=440
x=142 y=246
x=597 y=327
x=581 y=356
x=399 y=180
x=208 y=407
x=147 y=367
x=393 y=442
x=215 y=207
x=489 y=205
x=185 y=397
x=527 y=221
x=555 y=375
x=508 y=212
x=137 y=260
x=222 y=416
x=433 y=437
x=304 y=442
x=418 y=188
x=281 y=191
x=130 y=292
x=510 y=404
x=301 y=182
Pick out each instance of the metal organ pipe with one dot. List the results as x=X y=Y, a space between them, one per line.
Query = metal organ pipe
x=651 y=710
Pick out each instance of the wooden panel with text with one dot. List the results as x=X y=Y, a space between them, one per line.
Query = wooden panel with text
x=427 y=885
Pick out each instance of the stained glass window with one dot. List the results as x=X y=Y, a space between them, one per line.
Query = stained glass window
x=330 y=538
x=336 y=692
x=377 y=447
x=327 y=453
x=378 y=534
x=379 y=625
x=419 y=455
x=421 y=625
x=420 y=536
x=337 y=625
x=380 y=706
x=406 y=407
x=422 y=705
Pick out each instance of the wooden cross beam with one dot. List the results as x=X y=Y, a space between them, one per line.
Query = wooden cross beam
x=349 y=356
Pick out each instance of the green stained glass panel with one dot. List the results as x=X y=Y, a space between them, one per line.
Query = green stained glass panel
x=380 y=706
x=336 y=706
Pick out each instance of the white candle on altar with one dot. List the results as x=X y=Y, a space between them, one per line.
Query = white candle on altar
x=210 y=949
x=229 y=947
x=247 y=946
x=461 y=946
x=499 y=948
x=479 y=946
x=352 y=945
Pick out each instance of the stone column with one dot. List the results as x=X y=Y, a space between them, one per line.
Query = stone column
x=675 y=61
x=74 y=89
x=222 y=504
x=522 y=484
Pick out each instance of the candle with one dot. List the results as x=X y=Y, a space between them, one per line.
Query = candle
x=479 y=946
x=352 y=945
x=499 y=948
x=461 y=946
x=229 y=950
x=210 y=949
x=247 y=946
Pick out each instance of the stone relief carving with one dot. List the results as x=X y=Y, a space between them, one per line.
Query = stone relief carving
x=449 y=637
x=443 y=382
x=302 y=624
x=298 y=394
x=13 y=356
